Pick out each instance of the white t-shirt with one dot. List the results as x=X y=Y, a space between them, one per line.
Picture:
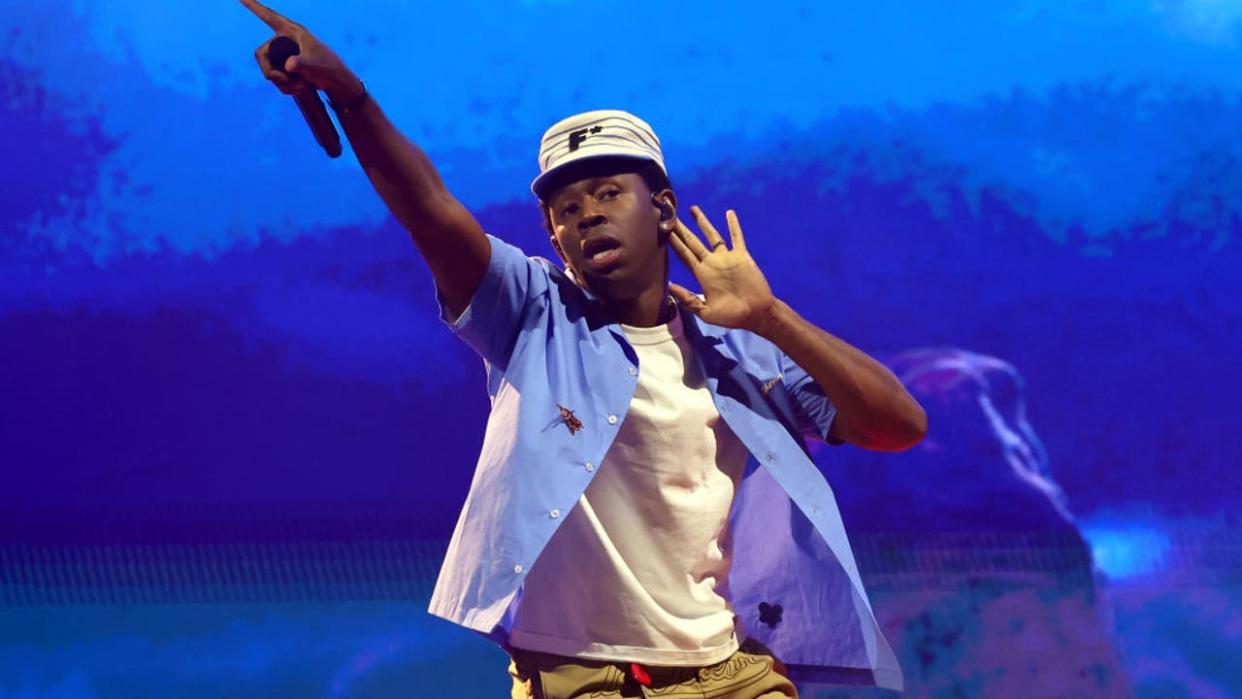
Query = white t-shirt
x=638 y=569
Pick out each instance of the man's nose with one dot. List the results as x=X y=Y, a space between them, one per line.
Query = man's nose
x=591 y=218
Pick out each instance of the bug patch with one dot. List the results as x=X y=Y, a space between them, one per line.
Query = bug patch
x=571 y=420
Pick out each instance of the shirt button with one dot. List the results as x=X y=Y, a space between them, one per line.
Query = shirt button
x=517 y=568
x=554 y=513
x=633 y=371
x=589 y=466
x=768 y=457
x=612 y=419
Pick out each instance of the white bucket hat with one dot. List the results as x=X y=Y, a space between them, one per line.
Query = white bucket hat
x=603 y=132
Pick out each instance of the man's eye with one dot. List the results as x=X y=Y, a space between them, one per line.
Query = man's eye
x=569 y=210
x=610 y=193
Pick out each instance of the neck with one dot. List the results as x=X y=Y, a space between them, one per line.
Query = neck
x=648 y=309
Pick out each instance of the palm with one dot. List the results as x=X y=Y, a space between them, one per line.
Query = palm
x=736 y=294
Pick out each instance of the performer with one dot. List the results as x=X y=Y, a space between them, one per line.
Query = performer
x=645 y=518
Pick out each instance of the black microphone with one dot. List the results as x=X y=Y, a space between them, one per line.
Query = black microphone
x=316 y=115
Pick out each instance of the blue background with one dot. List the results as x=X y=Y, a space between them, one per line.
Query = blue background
x=234 y=437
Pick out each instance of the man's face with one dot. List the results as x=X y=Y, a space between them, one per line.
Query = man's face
x=607 y=229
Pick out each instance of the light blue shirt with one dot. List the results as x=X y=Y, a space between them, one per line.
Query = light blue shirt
x=561 y=375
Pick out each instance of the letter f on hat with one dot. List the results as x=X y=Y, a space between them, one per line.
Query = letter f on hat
x=577 y=137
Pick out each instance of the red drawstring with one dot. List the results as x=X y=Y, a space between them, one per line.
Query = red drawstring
x=640 y=675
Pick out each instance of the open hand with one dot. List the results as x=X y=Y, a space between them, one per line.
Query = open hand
x=316 y=67
x=736 y=292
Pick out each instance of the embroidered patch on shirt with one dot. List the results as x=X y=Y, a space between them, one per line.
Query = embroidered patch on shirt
x=571 y=420
x=770 y=614
x=771 y=384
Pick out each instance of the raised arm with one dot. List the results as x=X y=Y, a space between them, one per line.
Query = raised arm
x=445 y=232
x=874 y=410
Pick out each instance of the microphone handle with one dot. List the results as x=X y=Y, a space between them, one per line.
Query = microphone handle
x=311 y=106
x=320 y=123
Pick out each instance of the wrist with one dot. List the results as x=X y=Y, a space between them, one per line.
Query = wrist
x=351 y=95
x=774 y=320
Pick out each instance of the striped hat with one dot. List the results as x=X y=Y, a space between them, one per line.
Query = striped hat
x=604 y=132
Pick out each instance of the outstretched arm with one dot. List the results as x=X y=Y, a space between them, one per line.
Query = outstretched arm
x=874 y=410
x=445 y=232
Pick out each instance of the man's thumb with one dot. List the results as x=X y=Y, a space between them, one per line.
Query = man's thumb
x=687 y=299
x=292 y=64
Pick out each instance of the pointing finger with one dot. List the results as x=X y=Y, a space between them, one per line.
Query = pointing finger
x=269 y=16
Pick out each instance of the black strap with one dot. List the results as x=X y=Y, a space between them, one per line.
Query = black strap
x=343 y=108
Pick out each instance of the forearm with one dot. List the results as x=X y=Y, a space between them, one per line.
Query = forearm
x=874 y=410
x=400 y=171
x=446 y=234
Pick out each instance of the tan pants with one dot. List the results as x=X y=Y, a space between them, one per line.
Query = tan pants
x=750 y=673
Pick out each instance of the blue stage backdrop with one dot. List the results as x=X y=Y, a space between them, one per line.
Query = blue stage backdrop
x=234 y=436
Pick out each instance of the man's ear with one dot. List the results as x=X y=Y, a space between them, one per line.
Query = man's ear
x=666 y=201
x=547 y=226
x=556 y=245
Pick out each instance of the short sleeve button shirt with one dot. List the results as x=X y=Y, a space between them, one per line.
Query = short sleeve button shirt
x=560 y=375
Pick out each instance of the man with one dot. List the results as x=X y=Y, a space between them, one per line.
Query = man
x=644 y=517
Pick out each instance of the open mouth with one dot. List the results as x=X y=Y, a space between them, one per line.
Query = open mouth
x=601 y=251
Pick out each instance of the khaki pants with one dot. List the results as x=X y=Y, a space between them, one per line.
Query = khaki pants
x=750 y=673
